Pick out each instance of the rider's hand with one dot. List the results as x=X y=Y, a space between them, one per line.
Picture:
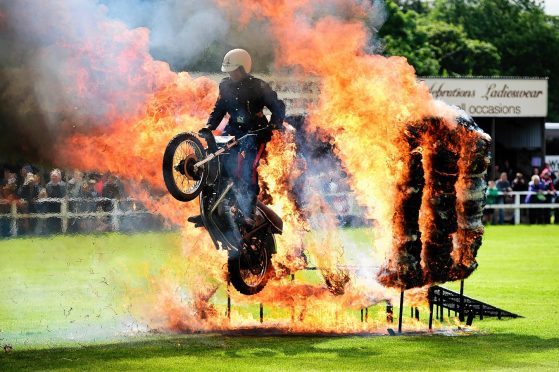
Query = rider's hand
x=203 y=132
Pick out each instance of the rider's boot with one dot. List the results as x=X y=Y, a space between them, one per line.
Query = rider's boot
x=196 y=220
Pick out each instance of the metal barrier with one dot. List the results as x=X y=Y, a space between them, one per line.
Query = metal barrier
x=114 y=212
x=518 y=204
x=349 y=206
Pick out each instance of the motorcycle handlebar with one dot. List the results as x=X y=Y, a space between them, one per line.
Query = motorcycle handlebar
x=211 y=141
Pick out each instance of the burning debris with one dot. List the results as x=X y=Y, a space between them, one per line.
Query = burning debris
x=438 y=225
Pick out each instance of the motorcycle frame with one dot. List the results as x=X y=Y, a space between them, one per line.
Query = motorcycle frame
x=215 y=184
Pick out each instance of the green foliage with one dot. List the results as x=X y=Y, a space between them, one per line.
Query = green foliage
x=403 y=37
x=476 y=37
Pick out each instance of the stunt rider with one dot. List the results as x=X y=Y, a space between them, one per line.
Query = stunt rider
x=243 y=97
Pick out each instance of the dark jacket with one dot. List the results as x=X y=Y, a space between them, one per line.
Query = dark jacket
x=244 y=101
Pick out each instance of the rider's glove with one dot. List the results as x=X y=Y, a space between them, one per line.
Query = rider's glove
x=203 y=132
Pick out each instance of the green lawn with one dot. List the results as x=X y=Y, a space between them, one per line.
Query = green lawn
x=63 y=305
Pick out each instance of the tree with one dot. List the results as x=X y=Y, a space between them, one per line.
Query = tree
x=526 y=39
x=476 y=37
x=402 y=36
x=435 y=47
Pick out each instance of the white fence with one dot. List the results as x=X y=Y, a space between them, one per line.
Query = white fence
x=114 y=213
x=518 y=204
x=349 y=207
x=343 y=205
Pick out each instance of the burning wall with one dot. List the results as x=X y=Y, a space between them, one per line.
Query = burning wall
x=110 y=106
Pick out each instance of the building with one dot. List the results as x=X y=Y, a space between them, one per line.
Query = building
x=552 y=145
x=511 y=109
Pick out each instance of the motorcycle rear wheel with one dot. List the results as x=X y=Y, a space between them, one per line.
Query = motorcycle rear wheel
x=181 y=179
x=251 y=267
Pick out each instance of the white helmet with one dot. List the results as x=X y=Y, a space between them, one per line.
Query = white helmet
x=236 y=58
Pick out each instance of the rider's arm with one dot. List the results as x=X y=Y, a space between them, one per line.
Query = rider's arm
x=275 y=105
x=218 y=112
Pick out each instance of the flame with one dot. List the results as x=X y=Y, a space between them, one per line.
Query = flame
x=366 y=104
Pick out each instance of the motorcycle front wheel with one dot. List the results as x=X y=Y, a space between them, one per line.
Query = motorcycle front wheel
x=182 y=180
x=250 y=268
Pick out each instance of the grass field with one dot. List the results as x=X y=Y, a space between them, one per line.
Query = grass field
x=61 y=308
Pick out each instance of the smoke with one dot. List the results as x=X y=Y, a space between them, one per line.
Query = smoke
x=58 y=59
x=180 y=31
x=62 y=71
x=76 y=66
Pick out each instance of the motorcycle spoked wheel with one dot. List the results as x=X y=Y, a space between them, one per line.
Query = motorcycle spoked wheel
x=250 y=268
x=182 y=181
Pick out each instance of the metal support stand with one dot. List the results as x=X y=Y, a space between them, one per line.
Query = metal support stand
x=400 y=314
x=470 y=319
x=261 y=313
x=430 y=313
x=228 y=301
x=441 y=307
x=461 y=313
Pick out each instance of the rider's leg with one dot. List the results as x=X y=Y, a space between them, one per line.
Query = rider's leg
x=231 y=163
x=248 y=182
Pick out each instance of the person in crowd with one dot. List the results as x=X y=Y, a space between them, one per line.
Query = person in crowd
x=73 y=190
x=547 y=168
x=25 y=170
x=8 y=195
x=556 y=186
x=519 y=183
x=112 y=189
x=99 y=183
x=89 y=192
x=41 y=207
x=27 y=193
x=74 y=185
x=536 y=171
x=503 y=186
x=550 y=194
x=491 y=195
x=56 y=189
x=536 y=195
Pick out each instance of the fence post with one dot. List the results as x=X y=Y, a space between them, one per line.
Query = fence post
x=516 y=208
x=114 y=216
x=13 y=212
x=64 y=213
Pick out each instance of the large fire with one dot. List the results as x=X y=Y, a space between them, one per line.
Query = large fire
x=371 y=108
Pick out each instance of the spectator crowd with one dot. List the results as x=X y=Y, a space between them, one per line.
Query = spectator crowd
x=34 y=191
x=540 y=188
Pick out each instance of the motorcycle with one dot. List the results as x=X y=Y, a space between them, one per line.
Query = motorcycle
x=191 y=170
